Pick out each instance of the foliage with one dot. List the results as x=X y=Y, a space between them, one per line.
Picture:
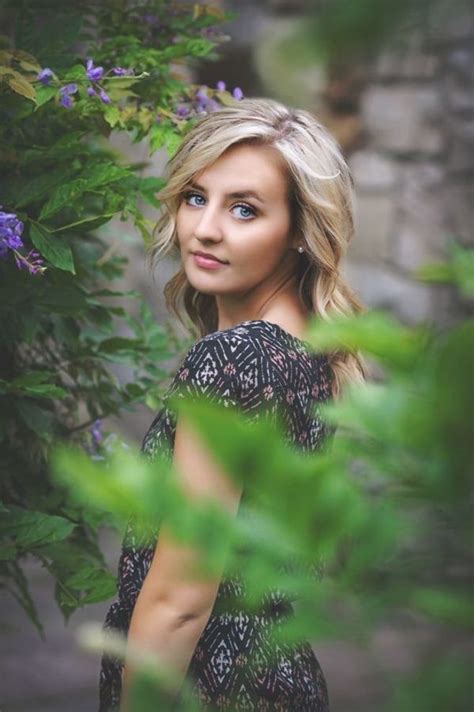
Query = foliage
x=387 y=508
x=69 y=76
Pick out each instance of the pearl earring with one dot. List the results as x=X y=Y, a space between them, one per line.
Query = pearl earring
x=300 y=248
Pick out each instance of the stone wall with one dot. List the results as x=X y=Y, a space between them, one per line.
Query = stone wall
x=406 y=124
x=414 y=174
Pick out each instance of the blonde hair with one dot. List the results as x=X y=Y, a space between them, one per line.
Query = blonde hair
x=321 y=202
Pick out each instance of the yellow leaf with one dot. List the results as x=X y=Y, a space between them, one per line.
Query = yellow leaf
x=26 y=60
x=21 y=86
x=5 y=56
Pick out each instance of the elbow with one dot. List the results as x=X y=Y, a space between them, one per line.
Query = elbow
x=176 y=611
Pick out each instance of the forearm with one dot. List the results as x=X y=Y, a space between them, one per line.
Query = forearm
x=157 y=628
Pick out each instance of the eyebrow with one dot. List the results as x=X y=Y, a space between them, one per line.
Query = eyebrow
x=235 y=194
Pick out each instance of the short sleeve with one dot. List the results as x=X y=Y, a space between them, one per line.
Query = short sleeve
x=228 y=369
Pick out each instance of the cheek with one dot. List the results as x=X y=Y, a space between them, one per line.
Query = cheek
x=261 y=245
x=180 y=225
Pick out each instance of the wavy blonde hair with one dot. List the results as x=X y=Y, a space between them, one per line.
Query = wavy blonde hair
x=321 y=203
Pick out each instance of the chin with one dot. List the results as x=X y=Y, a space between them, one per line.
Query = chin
x=201 y=285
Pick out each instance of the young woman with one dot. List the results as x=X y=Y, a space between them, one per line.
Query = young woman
x=258 y=206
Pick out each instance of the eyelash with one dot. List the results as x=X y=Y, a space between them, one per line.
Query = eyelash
x=190 y=194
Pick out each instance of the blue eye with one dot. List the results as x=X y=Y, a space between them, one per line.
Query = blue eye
x=189 y=196
x=243 y=206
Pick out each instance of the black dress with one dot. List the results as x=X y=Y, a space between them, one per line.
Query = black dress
x=263 y=369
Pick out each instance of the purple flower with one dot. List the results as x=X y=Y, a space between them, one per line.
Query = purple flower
x=182 y=111
x=14 y=242
x=66 y=101
x=45 y=76
x=121 y=72
x=91 y=91
x=94 y=73
x=32 y=263
x=105 y=98
x=96 y=432
x=11 y=229
x=208 y=31
x=238 y=93
x=220 y=86
x=151 y=19
x=205 y=103
x=69 y=89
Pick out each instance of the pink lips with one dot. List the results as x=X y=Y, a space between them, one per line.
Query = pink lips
x=207 y=262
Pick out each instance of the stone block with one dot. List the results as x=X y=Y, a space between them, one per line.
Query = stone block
x=415 y=245
x=372 y=171
x=460 y=60
x=460 y=144
x=408 y=59
x=379 y=287
x=421 y=190
x=374 y=217
x=403 y=119
x=458 y=94
x=458 y=205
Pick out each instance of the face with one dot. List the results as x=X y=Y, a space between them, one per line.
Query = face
x=237 y=210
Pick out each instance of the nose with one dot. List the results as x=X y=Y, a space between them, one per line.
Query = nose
x=207 y=226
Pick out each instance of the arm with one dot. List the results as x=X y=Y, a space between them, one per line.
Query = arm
x=172 y=608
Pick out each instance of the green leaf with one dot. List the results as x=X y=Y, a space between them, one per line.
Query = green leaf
x=149 y=187
x=43 y=95
x=30 y=529
x=23 y=596
x=78 y=71
x=90 y=223
x=375 y=331
x=8 y=551
x=458 y=270
x=159 y=135
x=37 y=187
x=63 y=297
x=37 y=419
x=173 y=141
x=52 y=248
x=33 y=383
x=112 y=115
x=93 y=177
x=119 y=343
x=98 y=584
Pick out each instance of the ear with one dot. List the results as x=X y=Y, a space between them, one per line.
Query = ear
x=294 y=240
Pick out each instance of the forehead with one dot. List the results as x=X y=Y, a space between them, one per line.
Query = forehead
x=247 y=167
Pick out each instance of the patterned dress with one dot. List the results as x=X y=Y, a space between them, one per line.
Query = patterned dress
x=264 y=370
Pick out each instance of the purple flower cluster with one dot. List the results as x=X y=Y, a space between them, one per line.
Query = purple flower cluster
x=66 y=92
x=237 y=92
x=11 y=229
x=32 y=262
x=202 y=103
x=96 y=432
x=94 y=75
x=94 y=438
